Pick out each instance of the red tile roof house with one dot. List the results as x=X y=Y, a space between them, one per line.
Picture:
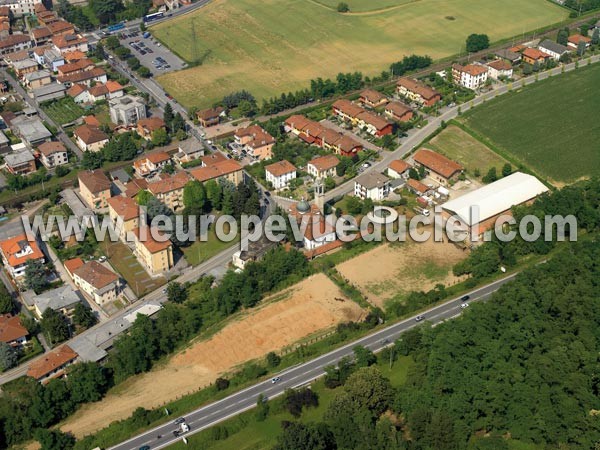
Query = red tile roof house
x=280 y=174
x=53 y=154
x=256 y=141
x=399 y=112
x=575 y=39
x=147 y=127
x=471 y=76
x=151 y=163
x=53 y=364
x=418 y=92
x=358 y=116
x=16 y=251
x=313 y=132
x=11 y=330
x=372 y=98
x=323 y=166
x=210 y=117
x=90 y=139
x=533 y=55
x=398 y=169
x=440 y=168
x=417 y=187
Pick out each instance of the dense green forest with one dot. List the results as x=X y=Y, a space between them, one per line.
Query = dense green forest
x=521 y=367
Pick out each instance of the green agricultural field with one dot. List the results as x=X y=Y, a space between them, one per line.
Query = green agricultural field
x=551 y=127
x=272 y=46
x=461 y=147
x=365 y=5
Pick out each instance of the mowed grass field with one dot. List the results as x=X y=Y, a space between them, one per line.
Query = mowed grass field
x=361 y=6
x=272 y=46
x=553 y=126
x=460 y=146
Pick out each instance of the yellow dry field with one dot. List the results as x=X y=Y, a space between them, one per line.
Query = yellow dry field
x=391 y=270
x=270 y=47
x=301 y=311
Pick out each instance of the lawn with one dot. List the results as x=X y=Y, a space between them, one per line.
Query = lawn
x=461 y=147
x=199 y=251
x=361 y=6
x=272 y=46
x=64 y=110
x=551 y=126
x=123 y=260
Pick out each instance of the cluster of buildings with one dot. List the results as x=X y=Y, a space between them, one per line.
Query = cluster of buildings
x=315 y=133
x=359 y=117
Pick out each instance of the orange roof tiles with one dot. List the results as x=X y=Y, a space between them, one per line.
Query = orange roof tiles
x=49 y=148
x=437 y=163
x=94 y=180
x=324 y=162
x=417 y=186
x=113 y=86
x=535 y=54
x=347 y=107
x=399 y=165
x=398 y=109
x=152 y=245
x=51 y=362
x=96 y=274
x=90 y=135
x=125 y=207
x=280 y=168
x=417 y=87
x=92 y=121
x=73 y=264
x=472 y=69
x=216 y=170
x=373 y=96
x=74 y=56
x=169 y=183
x=500 y=64
x=12 y=247
x=577 y=38
x=11 y=328
x=151 y=123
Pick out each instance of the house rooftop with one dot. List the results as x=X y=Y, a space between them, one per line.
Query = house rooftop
x=51 y=361
x=280 y=168
x=96 y=274
x=11 y=328
x=325 y=162
x=147 y=240
x=18 y=158
x=56 y=299
x=437 y=163
x=372 y=180
x=19 y=249
x=216 y=170
x=90 y=135
x=548 y=44
x=399 y=165
x=125 y=207
x=94 y=180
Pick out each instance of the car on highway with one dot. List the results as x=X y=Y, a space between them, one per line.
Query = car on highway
x=419 y=318
x=464 y=298
x=275 y=380
x=145 y=447
x=179 y=421
x=464 y=305
x=267 y=193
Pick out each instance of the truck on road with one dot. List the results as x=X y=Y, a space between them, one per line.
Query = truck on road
x=183 y=428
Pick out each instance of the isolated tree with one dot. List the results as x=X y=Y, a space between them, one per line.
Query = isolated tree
x=35 y=275
x=563 y=37
x=84 y=316
x=273 y=359
x=160 y=137
x=144 y=72
x=168 y=114
x=584 y=29
x=214 y=194
x=8 y=356
x=527 y=69
x=194 y=197
x=262 y=408
x=55 y=326
x=343 y=7
x=491 y=176
x=6 y=301
x=477 y=42
x=596 y=36
x=221 y=383
x=581 y=47
x=506 y=170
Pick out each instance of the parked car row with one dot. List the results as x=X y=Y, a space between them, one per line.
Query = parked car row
x=140 y=47
x=160 y=63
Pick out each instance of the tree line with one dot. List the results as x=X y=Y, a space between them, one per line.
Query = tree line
x=521 y=367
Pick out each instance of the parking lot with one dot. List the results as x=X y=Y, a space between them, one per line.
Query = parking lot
x=150 y=52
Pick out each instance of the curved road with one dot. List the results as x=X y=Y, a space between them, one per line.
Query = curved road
x=296 y=376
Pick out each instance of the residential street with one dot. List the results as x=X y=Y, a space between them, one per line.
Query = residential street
x=34 y=104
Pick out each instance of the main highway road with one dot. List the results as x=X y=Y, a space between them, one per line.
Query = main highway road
x=296 y=376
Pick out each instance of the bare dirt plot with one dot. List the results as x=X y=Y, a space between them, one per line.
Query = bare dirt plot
x=300 y=311
x=395 y=269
